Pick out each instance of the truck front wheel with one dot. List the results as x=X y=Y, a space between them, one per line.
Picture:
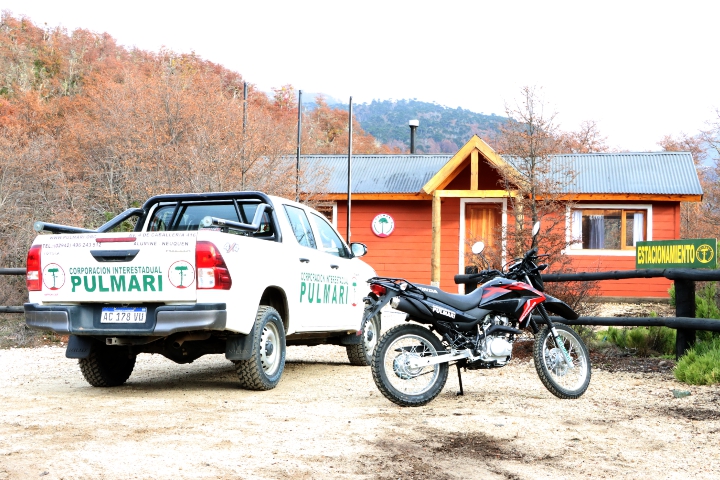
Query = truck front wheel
x=262 y=371
x=107 y=366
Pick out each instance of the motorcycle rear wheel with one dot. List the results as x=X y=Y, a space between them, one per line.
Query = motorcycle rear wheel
x=396 y=378
x=554 y=372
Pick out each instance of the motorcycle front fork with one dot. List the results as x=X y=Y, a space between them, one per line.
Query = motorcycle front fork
x=558 y=341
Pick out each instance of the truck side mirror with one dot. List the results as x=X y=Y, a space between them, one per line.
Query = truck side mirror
x=358 y=249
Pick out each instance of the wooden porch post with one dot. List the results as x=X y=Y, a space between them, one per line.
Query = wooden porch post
x=435 y=257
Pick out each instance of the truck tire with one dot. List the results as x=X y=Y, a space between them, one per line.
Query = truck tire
x=361 y=353
x=262 y=371
x=107 y=366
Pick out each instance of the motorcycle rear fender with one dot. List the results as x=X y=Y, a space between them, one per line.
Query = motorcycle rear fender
x=557 y=306
x=374 y=306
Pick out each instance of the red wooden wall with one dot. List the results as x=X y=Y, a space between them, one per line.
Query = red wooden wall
x=406 y=252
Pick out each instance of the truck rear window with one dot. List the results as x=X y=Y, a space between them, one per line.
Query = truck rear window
x=189 y=216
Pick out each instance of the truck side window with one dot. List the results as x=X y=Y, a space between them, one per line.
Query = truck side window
x=330 y=240
x=300 y=225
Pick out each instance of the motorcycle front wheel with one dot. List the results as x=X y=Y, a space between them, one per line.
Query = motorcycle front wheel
x=552 y=368
x=393 y=369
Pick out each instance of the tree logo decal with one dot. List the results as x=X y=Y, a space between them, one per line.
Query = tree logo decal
x=383 y=225
x=704 y=253
x=181 y=274
x=53 y=276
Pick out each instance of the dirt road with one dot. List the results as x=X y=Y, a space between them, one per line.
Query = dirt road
x=327 y=420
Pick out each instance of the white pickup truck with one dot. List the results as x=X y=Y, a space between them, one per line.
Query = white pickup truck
x=239 y=273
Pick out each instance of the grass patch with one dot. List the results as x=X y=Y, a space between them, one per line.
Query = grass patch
x=701 y=364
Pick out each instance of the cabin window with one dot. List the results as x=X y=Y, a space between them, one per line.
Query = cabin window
x=329 y=210
x=608 y=228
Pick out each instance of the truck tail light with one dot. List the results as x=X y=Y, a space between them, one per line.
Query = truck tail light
x=212 y=273
x=33 y=278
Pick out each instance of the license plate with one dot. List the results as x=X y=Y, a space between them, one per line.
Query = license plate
x=123 y=315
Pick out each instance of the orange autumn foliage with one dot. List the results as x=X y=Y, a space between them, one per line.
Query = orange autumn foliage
x=89 y=128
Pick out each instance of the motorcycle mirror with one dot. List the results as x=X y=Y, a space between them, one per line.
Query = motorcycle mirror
x=536 y=228
x=478 y=248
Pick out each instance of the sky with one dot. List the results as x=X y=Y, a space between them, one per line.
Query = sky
x=640 y=69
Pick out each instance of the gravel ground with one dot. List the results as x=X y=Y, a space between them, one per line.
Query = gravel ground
x=326 y=419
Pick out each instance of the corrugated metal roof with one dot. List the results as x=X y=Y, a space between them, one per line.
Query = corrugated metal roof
x=378 y=173
x=639 y=173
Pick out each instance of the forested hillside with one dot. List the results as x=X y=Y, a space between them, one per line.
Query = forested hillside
x=89 y=128
x=441 y=130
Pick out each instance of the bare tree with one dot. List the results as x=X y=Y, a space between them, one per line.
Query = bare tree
x=587 y=139
x=698 y=219
x=528 y=142
x=540 y=185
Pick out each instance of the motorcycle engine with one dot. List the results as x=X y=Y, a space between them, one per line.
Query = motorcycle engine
x=495 y=348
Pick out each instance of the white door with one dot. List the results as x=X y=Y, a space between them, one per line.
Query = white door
x=343 y=289
x=323 y=297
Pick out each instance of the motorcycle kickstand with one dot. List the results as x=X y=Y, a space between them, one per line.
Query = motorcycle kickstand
x=461 y=392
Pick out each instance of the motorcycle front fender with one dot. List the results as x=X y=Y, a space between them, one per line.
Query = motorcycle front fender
x=558 y=307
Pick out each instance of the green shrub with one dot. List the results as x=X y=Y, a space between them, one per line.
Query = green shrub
x=645 y=340
x=617 y=336
x=705 y=304
x=701 y=364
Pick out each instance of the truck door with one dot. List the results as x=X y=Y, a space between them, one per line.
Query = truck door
x=323 y=291
x=342 y=287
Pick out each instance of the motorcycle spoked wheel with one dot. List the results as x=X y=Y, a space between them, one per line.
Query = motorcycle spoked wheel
x=400 y=382
x=554 y=372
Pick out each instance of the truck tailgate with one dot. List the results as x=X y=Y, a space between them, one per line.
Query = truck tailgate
x=118 y=268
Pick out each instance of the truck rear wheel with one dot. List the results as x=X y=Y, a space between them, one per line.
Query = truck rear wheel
x=262 y=371
x=361 y=353
x=107 y=366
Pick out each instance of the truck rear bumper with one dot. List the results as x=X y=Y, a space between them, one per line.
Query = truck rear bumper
x=162 y=320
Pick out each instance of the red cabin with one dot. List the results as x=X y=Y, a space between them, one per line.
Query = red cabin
x=417 y=213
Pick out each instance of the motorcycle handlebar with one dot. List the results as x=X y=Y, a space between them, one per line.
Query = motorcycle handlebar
x=474 y=277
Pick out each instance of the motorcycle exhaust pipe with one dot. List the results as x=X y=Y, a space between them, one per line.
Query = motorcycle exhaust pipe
x=412 y=307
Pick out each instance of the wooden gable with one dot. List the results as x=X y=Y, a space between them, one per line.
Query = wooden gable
x=471 y=173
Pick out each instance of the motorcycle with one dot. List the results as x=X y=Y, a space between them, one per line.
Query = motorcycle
x=410 y=362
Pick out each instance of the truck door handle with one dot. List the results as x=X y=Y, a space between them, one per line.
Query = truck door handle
x=305 y=260
x=335 y=266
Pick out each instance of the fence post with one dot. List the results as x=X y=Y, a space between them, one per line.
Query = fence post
x=684 y=307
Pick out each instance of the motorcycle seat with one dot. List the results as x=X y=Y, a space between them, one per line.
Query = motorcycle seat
x=460 y=302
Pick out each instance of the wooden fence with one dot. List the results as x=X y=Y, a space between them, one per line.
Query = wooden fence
x=12 y=271
x=684 y=321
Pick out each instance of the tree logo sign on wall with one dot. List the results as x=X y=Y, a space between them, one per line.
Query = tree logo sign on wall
x=383 y=225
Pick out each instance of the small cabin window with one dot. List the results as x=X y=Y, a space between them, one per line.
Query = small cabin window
x=608 y=228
